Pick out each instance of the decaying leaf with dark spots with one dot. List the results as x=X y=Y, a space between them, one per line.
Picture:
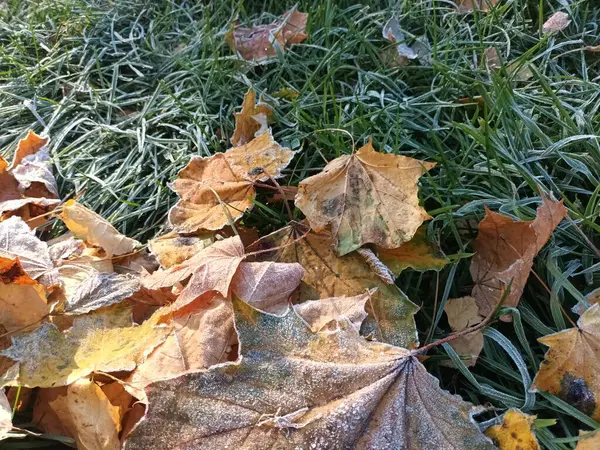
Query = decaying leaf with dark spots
x=419 y=254
x=104 y=341
x=251 y=121
x=515 y=432
x=328 y=275
x=296 y=389
x=572 y=364
x=504 y=252
x=258 y=42
x=367 y=197
x=172 y=249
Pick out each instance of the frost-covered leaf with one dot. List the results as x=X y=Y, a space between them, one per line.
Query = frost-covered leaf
x=101 y=290
x=325 y=313
x=23 y=302
x=504 y=252
x=328 y=275
x=29 y=145
x=556 y=22
x=402 y=53
x=218 y=190
x=572 y=364
x=367 y=197
x=259 y=42
x=36 y=168
x=296 y=389
x=104 y=341
x=514 y=433
x=18 y=241
x=251 y=121
x=95 y=230
x=418 y=254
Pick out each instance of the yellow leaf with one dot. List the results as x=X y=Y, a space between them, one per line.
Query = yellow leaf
x=418 y=254
x=328 y=275
x=104 y=341
x=296 y=389
x=462 y=314
x=94 y=229
x=251 y=121
x=172 y=249
x=515 y=432
x=367 y=197
x=571 y=365
x=258 y=42
x=504 y=252
x=23 y=303
x=217 y=190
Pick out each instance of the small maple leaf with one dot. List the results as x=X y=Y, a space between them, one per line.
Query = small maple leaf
x=515 y=432
x=571 y=364
x=504 y=252
x=462 y=314
x=259 y=42
x=218 y=190
x=329 y=390
x=328 y=275
x=367 y=197
x=251 y=121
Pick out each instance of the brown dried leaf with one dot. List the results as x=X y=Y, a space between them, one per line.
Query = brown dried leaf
x=571 y=364
x=556 y=22
x=592 y=48
x=34 y=171
x=296 y=389
x=328 y=275
x=367 y=197
x=324 y=314
x=197 y=341
x=95 y=230
x=515 y=432
x=472 y=5
x=18 y=241
x=258 y=42
x=29 y=145
x=419 y=254
x=103 y=341
x=463 y=313
x=504 y=252
x=23 y=302
x=172 y=249
x=251 y=121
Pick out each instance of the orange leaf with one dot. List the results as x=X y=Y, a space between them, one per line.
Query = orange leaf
x=251 y=121
x=515 y=432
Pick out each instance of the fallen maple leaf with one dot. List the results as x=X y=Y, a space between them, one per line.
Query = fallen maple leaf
x=462 y=314
x=419 y=254
x=218 y=190
x=64 y=247
x=325 y=313
x=94 y=229
x=103 y=341
x=259 y=42
x=591 y=441
x=17 y=240
x=571 y=364
x=296 y=389
x=35 y=170
x=504 y=252
x=367 y=197
x=23 y=302
x=556 y=22
x=328 y=275
x=81 y=411
x=29 y=145
x=172 y=249
x=515 y=432
x=251 y=121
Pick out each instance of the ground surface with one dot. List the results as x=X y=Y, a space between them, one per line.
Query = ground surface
x=129 y=90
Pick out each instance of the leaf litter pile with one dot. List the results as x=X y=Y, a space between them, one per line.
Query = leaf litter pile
x=212 y=336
